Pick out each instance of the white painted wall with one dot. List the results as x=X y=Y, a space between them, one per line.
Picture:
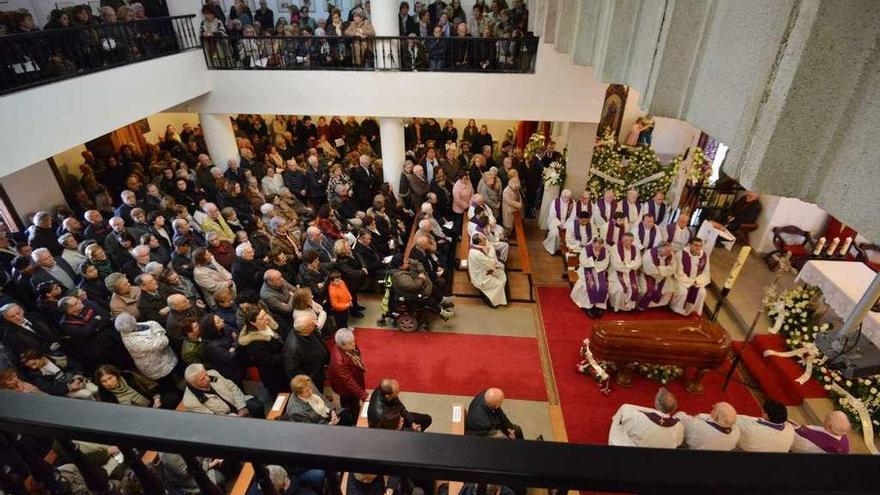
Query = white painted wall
x=779 y=211
x=32 y=189
x=158 y=122
x=39 y=122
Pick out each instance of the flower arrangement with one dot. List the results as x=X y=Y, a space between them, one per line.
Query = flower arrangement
x=554 y=172
x=701 y=169
x=614 y=168
x=536 y=143
x=797 y=308
x=600 y=370
x=663 y=373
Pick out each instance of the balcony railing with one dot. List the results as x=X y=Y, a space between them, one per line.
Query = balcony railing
x=32 y=59
x=381 y=53
x=514 y=463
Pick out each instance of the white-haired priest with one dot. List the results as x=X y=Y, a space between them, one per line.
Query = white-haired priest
x=623 y=281
x=590 y=292
x=692 y=277
x=657 y=280
x=637 y=426
x=558 y=215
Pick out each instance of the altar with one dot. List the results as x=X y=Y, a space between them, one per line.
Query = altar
x=843 y=283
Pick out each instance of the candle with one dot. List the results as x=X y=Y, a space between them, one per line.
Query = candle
x=845 y=248
x=833 y=248
x=819 y=246
x=737 y=266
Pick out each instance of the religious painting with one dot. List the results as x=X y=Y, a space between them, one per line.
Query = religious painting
x=612 y=110
x=143 y=126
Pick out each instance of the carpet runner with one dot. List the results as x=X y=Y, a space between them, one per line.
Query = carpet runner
x=776 y=375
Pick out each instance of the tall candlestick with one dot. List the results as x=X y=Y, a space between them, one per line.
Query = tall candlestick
x=845 y=248
x=819 y=246
x=737 y=266
x=834 y=243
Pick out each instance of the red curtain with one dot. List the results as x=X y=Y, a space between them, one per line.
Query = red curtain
x=524 y=130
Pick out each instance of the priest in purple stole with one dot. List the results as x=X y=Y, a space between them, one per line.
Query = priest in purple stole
x=830 y=438
x=692 y=277
x=584 y=204
x=678 y=234
x=647 y=234
x=612 y=233
x=632 y=208
x=579 y=232
x=559 y=214
x=657 y=282
x=590 y=292
x=623 y=282
x=604 y=210
x=640 y=426
x=657 y=207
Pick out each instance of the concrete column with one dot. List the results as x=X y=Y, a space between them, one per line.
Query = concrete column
x=186 y=7
x=383 y=15
x=579 y=140
x=219 y=138
x=393 y=150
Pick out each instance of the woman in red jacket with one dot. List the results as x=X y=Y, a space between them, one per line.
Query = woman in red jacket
x=346 y=370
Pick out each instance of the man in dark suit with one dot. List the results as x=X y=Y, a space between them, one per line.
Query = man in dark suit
x=365 y=183
x=409 y=24
x=21 y=333
x=386 y=411
x=413 y=56
x=485 y=416
x=745 y=210
x=53 y=269
x=42 y=235
x=372 y=261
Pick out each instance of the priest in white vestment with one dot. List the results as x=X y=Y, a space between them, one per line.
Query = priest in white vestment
x=691 y=277
x=585 y=203
x=637 y=426
x=678 y=234
x=657 y=207
x=632 y=208
x=485 y=271
x=830 y=438
x=647 y=234
x=579 y=232
x=590 y=292
x=657 y=280
x=623 y=281
x=486 y=225
x=558 y=215
x=714 y=431
x=774 y=434
x=612 y=232
x=478 y=207
x=603 y=210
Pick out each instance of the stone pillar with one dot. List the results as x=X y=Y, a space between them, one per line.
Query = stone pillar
x=393 y=150
x=579 y=139
x=383 y=16
x=219 y=138
x=186 y=7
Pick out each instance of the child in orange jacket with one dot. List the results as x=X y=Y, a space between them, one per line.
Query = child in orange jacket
x=340 y=299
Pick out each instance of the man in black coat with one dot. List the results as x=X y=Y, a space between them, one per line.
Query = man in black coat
x=365 y=183
x=42 y=235
x=370 y=258
x=265 y=16
x=745 y=210
x=408 y=23
x=21 y=332
x=386 y=410
x=50 y=268
x=485 y=416
x=247 y=272
x=305 y=353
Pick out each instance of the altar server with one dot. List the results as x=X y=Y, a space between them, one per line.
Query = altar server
x=692 y=277
x=647 y=234
x=623 y=283
x=830 y=438
x=559 y=214
x=657 y=281
x=632 y=208
x=485 y=271
x=657 y=207
x=637 y=426
x=714 y=431
x=773 y=434
x=612 y=232
x=604 y=210
x=678 y=234
x=590 y=292
x=579 y=232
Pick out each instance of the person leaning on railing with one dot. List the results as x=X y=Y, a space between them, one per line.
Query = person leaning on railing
x=218 y=50
x=361 y=51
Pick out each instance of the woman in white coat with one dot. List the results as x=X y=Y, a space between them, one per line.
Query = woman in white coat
x=558 y=215
x=210 y=276
x=147 y=344
x=485 y=271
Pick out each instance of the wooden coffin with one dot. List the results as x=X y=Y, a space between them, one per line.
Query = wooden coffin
x=689 y=344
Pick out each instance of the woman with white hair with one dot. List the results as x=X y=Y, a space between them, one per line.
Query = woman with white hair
x=560 y=213
x=486 y=272
x=147 y=344
x=346 y=370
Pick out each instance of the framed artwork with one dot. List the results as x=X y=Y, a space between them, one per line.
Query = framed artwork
x=143 y=126
x=612 y=110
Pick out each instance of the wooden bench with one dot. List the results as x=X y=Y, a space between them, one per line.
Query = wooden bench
x=463 y=245
x=458 y=414
x=246 y=476
x=523 y=249
x=362 y=422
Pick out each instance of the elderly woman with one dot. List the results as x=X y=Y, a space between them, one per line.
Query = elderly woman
x=490 y=189
x=219 y=348
x=360 y=27
x=147 y=344
x=272 y=182
x=132 y=389
x=210 y=276
x=125 y=298
x=265 y=348
x=307 y=405
x=304 y=304
x=353 y=272
x=337 y=178
x=346 y=370
x=511 y=205
x=462 y=192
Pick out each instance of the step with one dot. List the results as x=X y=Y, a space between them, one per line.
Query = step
x=766 y=378
x=787 y=369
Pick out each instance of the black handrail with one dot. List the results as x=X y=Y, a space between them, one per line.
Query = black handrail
x=436 y=456
x=42 y=57
x=379 y=53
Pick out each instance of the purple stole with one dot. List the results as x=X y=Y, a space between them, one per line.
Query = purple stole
x=597 y=282
x=686 y=264
x=824 y=441
x=654 y=290
x=578 y=208
x=477 y=210
x=718 y=427
x=775 y=426
x=612 y=239
x=626 y=208
x=670 y=232
x=633 y=280
x=659 y=214
x=606 y=215
x=577 y=232
x=556 y=206
x=661 y=421
x=652 y=237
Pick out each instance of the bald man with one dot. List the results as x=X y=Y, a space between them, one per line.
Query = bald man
x=830 y=438
x=386 y=411
x=637 y=426
x=714 y=431
x=485 y=416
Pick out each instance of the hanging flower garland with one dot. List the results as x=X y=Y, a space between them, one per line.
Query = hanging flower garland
x=701 y=169
x=619 y=170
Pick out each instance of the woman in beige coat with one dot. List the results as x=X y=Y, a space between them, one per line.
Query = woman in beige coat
x=511 y=201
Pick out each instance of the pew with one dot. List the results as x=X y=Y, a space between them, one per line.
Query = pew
x=361 y=423
x=463 y=245
x=523 y=249
x=458 y=414
x=246 y=476
x=150 y=456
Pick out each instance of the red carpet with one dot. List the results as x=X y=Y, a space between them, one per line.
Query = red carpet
x=587 y=411
x=453 y=364
x=777 y=375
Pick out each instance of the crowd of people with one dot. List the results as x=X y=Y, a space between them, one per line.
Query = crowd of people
x=724 y=429
x=443 y=37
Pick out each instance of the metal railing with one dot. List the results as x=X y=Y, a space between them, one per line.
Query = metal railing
x=42 y=57
x=514 y=463
x=381 y=53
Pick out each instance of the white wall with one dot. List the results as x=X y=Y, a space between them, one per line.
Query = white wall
x=39 y=122
x=32 y=189
x=779 y=211
x=159 y=121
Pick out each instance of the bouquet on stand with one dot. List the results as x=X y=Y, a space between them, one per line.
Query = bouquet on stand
x=554 y=173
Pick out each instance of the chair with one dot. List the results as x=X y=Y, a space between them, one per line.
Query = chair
x=790 y=239
x=869 y=254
